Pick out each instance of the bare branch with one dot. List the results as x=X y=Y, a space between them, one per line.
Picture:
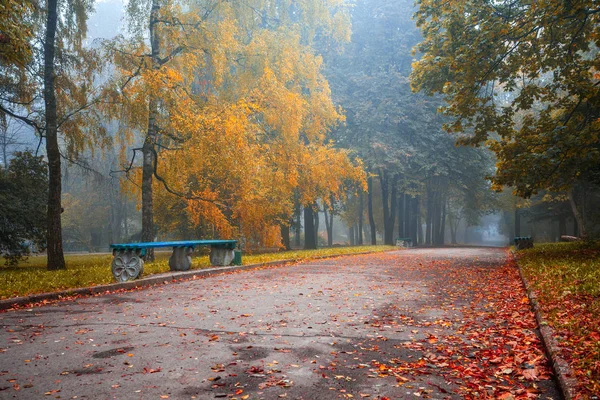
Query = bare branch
x=176 y=193
x=26 y=120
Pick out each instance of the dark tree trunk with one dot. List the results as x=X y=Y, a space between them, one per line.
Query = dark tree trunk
x=442 y=230
x=351 y=235
x=393 y=210
x=298 y=226
x=562 y=225
x=401 y=216
x=56 y=258
x=578 y=217
x=310 y=241
x=517 y=222
x=436 y=218
x=429 y=216
x=329 y=226
x=372 y=227
x=360 y=219
x=285 y=236
x=453 y=229
x=418 y=218
x=407 y=214
x=148 y=149
x=316 y=215
x=389 y=204
x=414 y=220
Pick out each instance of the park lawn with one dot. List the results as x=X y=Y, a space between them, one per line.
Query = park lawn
x=565 y=277
x=31 y=276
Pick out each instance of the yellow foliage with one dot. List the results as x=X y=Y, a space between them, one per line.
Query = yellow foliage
x=245 y=111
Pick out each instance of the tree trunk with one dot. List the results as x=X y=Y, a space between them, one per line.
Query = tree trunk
x=351 y=235
x=151 y=136
x=329 y=226
x=56 y=258
x=436 y=217
x=310 y=241
x=577 y=214
x=429 y=217
x=389 y=204
x=453 y=228
x=517 y=222
x=316 y=216
x=373 y=229
x=407 y=215
x=401 y=216
x=298 y=226
x=360 y=219
x=562 y=226
x=285 y=236
x=393 y=210
x=442 y=232
x=418 y=220
x=414 y=210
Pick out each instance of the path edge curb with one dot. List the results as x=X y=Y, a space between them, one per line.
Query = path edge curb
x=562 y=371
x=158 y=279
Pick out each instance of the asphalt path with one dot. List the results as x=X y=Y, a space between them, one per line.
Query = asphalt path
x=325 y=329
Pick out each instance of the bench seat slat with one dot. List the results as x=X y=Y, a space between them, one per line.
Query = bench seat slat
x=180 y=243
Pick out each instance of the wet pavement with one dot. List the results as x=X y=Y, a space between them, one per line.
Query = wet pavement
x=371 y=326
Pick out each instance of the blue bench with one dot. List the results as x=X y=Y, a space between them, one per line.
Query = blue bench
x=523 y=242
x=128 y=263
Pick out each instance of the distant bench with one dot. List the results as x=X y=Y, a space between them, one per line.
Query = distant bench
x=404 y=242
x=128 y=263
x=523 y=242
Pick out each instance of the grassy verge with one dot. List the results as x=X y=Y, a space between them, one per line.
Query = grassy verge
x=566 y=279
x=90 y=270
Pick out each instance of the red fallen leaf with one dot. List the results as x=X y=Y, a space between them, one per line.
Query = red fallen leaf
x=255 y=370
x=530 y=374
x=151 y=370
x=239 y=391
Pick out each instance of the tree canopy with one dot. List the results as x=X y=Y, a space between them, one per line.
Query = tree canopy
x=522 y=77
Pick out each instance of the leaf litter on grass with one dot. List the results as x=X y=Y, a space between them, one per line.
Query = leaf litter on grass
x=565 y=278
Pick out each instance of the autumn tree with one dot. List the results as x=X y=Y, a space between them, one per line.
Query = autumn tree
x=523 y=78
x=234 y=110
x=48 y=85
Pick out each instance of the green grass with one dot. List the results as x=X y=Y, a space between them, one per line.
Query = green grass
x=31 y=276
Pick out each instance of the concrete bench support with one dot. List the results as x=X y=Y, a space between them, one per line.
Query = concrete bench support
x=127 y=264
x=181 y=259
x=221 y=256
